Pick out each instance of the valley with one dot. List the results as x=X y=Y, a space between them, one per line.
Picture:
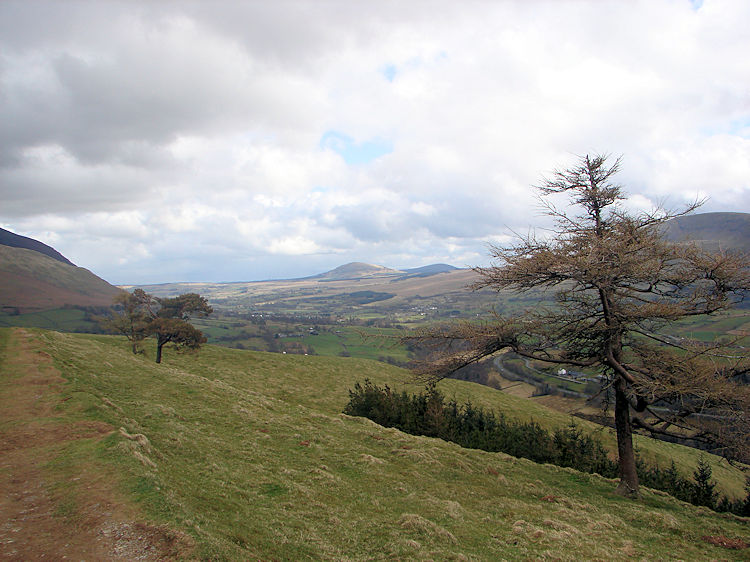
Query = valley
x=258 y=428
x=374 y=281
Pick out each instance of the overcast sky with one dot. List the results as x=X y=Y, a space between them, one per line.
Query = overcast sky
x=235 y=141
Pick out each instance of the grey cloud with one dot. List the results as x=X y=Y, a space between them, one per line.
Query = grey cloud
x=457 y=214
x=142 y=85
x=298 y=33
x=29 y=191
x=204 y=119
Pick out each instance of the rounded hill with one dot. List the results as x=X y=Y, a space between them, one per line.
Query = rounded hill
x=357 y=270
x=728 y=231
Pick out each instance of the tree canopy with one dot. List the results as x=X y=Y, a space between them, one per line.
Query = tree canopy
x=619 y=286
x=132 y=313
x=171 y=324
x=139 y=315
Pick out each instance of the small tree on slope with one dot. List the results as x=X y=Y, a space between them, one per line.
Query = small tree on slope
x=138 y=315
x=130 y=317
x=618 y=285
x=171 y=322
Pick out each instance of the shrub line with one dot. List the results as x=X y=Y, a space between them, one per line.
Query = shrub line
x=429 y=414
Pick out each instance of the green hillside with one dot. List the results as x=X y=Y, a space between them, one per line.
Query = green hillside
x=62 y=319
x=727 y=231
x=247 y=454
x=31 y=281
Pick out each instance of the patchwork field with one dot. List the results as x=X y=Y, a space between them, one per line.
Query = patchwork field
x=407 y=297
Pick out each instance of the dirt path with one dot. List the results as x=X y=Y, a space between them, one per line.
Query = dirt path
x=87 y=522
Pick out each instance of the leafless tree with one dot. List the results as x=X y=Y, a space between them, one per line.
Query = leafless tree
x=618 y=286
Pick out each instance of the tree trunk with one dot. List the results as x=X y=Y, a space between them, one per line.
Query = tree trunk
x=159 y=345
x=629 y=485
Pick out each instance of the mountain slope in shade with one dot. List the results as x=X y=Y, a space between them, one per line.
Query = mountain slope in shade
x=729 y=231
x=32 y=281
x=8 y=238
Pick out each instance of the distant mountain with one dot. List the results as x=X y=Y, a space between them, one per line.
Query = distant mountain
x=356 y=270
x=729 y=231
x=8 y=238
x=337 y=291
x=31 y=280
x=427 y=270
x=360 y=270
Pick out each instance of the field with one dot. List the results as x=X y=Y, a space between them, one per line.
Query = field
x=237 y=455
x=61 y=319
x=707 y=329
x=349 y=308
x=402 y=299
x=362 y=318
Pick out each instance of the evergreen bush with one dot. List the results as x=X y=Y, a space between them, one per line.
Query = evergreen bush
x=428 y=414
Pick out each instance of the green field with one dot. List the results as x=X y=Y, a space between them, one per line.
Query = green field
x=544 y=373
x=249 y=454
x=61 y=319
x=338 y=339
x=708 y=328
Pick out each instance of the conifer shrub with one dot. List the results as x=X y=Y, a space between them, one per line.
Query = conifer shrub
x=703 y=492
x=429 y=414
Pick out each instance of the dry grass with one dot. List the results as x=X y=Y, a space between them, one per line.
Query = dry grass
x=422 y=526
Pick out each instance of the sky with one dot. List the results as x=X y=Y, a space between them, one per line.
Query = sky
x=156 y=142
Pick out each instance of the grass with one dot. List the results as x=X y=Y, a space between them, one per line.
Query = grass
x=364 y=343
x=62 y=319
x=709 y=328
x=248 y=453
x=540 y=373
x=330 y=340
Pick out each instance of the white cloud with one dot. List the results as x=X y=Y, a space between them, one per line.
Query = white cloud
x=163 y=141
x=293 y=246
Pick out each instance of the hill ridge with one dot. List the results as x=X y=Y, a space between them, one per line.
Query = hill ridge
x=354 y=270
x=363 y=270
x=715 y=230
x=8 y=238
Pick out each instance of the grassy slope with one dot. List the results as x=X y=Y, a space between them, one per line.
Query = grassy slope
x=719 y=230
x=253 y=459
x=64 y=319
x=32 y=281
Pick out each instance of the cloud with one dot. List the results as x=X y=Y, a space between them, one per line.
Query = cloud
x=193 y=141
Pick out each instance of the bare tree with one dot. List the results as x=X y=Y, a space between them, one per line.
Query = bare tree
x=618 y=287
